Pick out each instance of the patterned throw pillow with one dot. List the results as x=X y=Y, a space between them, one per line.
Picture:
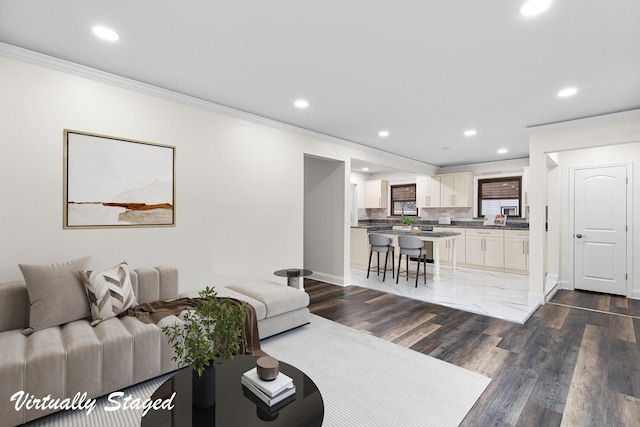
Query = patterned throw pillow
x=109 y=291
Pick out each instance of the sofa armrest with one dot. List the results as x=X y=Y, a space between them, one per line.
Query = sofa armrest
x=14 y=306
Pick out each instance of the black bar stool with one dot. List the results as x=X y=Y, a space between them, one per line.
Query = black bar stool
x=411 y=246
x=380 y=243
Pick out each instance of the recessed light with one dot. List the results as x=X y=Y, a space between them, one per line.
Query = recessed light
x=566 y=92
x=365 y=169
x=502 y=151
x=383 y=133
x=469 y=132
x=105 y=33
x=534 y=7
x=446 y=148
x=301 y=103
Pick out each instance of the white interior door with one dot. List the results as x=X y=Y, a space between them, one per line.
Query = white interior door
x=600 y=229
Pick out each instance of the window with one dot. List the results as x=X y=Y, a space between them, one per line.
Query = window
x=403 y=200
x=499 y=196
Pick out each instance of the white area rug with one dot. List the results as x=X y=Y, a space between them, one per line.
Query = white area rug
x=364 y=381
x=101 y=418
x=367 y=381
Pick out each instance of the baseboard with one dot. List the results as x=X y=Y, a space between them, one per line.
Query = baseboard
x=551 y=283
x=564 y=284
x=329 y=278
x=635 y=294
x=552 y=292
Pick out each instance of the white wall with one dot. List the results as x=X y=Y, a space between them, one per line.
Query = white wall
x=221 y=162
x=608 y=132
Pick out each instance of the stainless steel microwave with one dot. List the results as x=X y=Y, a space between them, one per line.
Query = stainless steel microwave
x=509 y=210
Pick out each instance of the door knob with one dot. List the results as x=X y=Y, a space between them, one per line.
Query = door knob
x=579 y=236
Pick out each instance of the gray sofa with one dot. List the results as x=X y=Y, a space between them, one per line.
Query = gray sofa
x=76 y=357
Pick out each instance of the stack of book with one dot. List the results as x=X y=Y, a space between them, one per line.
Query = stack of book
x=278 y=392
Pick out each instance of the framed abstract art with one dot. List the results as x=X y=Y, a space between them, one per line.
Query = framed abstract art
x=117 y=182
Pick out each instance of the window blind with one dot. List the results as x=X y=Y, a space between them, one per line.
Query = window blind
x=403 y=193
x=493 y=189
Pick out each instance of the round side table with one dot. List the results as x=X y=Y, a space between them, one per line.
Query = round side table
x=293 y=276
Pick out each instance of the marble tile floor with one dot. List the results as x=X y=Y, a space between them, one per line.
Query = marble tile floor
x=490 y=293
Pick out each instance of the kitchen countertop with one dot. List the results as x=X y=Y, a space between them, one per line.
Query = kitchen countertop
x=419 y=233
x=477 y=223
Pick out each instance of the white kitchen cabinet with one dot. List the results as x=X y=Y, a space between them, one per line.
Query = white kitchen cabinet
x=375 y=194
x=456 y=190
x=446 y=247
x=359 y=248
x=516 y=250
x=428 y=191
x=484 y=248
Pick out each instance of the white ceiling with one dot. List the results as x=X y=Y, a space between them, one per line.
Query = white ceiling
x=426 y=70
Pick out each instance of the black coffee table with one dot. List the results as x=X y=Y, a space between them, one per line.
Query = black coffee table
x=235 y=405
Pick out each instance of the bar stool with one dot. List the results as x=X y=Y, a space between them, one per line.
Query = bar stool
x=380 y=243
x=411 y=246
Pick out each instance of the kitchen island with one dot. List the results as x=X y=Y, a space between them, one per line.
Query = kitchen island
x=360 y=242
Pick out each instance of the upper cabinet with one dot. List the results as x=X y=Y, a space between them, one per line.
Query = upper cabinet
x=428 y=191
x=456 y=190
x=375 y=194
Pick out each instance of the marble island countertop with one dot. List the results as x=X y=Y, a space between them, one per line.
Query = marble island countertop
x=418 y=233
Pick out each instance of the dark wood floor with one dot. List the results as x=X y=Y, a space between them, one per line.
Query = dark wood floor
x=576 y=362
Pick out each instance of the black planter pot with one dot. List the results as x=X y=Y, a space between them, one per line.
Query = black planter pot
x=204 y=388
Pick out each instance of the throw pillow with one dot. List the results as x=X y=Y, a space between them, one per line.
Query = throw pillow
x=56 y=294
x=109 y=291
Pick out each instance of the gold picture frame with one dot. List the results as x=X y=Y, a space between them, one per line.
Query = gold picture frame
x=117 y=182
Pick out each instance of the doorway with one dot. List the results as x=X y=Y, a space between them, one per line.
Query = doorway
x=599 y=234
x=325 y=218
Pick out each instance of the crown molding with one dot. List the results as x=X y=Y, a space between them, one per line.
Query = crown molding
x=47 y=61
x=602 y=118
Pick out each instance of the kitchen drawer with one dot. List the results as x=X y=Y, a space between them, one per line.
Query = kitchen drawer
x=484 y=232
x=516 y=233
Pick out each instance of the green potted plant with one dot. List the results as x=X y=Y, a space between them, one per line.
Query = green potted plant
x=211 y=333
x=408 y=221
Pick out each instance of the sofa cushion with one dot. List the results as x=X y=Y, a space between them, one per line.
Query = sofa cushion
x=45 y=368
x=84 y=358
x=52 y=286
x=109 y=292
x=147 y=358
x=277 y=298
x=13 y=347
x=222 y=292
x=117 y=355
